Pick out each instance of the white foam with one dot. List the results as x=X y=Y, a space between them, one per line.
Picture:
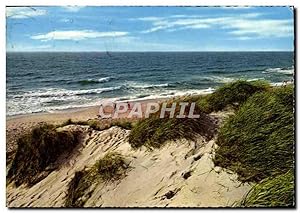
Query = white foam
x=280 y=70
x=56 y=92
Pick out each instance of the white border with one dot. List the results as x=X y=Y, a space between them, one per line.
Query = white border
x=107 y=3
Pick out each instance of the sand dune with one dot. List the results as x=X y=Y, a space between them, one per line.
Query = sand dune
x=180 y=174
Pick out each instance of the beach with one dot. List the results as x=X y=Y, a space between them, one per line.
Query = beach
x=19 y=124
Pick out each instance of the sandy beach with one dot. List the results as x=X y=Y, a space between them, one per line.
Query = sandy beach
x=17 y=125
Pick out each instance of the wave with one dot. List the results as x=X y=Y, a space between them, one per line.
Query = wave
x=134 y=85
x=55 y=92
x=93 y=81
x=286 y=71
x=219 y=79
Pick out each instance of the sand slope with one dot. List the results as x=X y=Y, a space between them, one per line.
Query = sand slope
x=180 y=174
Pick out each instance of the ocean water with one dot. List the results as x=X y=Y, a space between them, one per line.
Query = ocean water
x=44 y=82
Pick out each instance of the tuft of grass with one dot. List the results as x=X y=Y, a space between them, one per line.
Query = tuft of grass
x=98 y=124
x=258 y=141
x=70 y=121
x=231 y=95
x=153 y=132
x=37 y=150
x=109 y=168
x=76 y=189
x=278 y=191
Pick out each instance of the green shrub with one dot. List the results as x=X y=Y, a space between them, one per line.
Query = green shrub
x=153 y=132
x=258 y=141
x=70 y=121
x=111 y=167
x=76 y=189
x=37 y=150
x=278 y=191
x=231 y=95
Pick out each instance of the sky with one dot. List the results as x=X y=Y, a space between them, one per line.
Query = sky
x=149 y=28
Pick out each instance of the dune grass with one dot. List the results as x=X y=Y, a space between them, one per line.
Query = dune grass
x=258 y=141
x=153 y=132
x=37 y=150
x=111 y=167
x=278 y=191
x=99 y=125
x=77 y=189
x=231 y=95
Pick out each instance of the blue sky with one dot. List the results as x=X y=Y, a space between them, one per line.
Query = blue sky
x=149 y=29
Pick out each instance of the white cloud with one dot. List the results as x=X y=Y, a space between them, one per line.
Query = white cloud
x=261 y=28
x=243 y=26
x=73 y=9
x=76 y=35
x=24 y=12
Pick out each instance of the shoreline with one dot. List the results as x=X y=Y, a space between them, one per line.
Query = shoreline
x=82 y=108
x=76 y=113
x=19 y=124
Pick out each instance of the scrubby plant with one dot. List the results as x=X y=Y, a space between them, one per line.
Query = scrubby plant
x=276 y=191
x=37 y=150
x=153 y=132
x=111 y=167
x=76 y=189
x=231 y=95
x=258 y=141
x=70 y=121
x=99 y=124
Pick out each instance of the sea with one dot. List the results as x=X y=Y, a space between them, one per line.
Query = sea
x=51 y=81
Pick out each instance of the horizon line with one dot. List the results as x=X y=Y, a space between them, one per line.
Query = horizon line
x=131 y=51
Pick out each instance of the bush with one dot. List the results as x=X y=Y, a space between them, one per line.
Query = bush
x=76 y=189
x=153 y=132
x=111 y=167
x=258 y=142
x=37 y=150
x=231 y=95
x=272 y=192
x=70 y=121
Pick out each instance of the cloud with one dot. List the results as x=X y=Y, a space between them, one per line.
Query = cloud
x=261 y=28
x=76 y=35
x=24 y=12
x=243 y=26
x=73 y=9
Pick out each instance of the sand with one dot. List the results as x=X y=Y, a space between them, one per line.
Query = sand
x=18 y=125
x=180 y=174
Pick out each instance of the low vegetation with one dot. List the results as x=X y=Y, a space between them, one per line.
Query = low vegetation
x=153 y=132
x=272 y=192
x=38 y=150
x=109 y=168
x=231 y=95
x=258 y=141
x=77 y=189
x=100 y=125
x=258 y=144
